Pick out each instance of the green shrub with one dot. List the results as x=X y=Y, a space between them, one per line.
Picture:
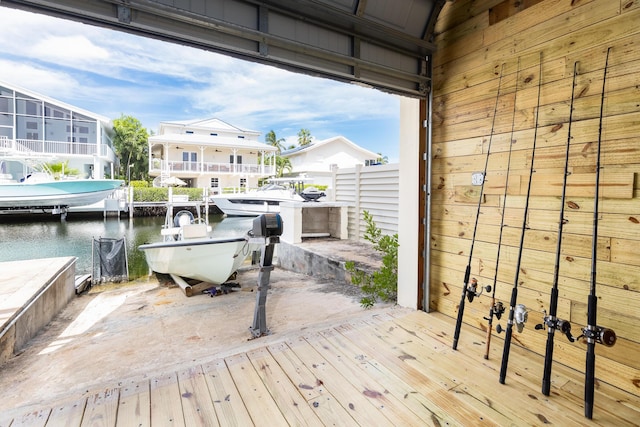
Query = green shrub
x=161 y=194
x=150 y=194
x=140 y=184
x=381 y=284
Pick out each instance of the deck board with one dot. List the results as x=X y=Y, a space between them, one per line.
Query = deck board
x=197 y=407
x=134 y=408
x=292 y=404
x=101 y=409
x=166 y=401
x=391 y=369
x=328 y=409
x=254 y=392
x=226 y=399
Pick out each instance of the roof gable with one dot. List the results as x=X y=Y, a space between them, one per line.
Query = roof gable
x=209 y=124
x=330 y=141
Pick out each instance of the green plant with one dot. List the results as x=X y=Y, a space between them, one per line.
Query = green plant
x=381 y=284
x=59 y=169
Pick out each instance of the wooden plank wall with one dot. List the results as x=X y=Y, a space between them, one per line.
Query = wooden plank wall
x=480 y=44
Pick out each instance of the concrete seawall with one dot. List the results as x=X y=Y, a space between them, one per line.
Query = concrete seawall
x=325 y=258
x=32 y=292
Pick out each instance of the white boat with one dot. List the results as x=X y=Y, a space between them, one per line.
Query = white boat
x=48 y=194
x=266 y=199
x=41 y=190
x=191 y=251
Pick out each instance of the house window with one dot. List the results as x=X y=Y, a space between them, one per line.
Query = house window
x=189 y=156
x=238 y=159
x=243 y=182
x=214 y=183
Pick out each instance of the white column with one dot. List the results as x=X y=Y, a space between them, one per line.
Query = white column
x=408 y=203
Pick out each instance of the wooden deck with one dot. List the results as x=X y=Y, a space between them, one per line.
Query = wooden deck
x=395 y=369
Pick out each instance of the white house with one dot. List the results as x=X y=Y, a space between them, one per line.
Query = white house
x=209 y=154
x=318 y=159
x=37 y=126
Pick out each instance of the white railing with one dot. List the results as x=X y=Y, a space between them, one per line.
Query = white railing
x=211 y=167
x=31 y=146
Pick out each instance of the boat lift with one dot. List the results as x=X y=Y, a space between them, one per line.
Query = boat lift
x=266 y=231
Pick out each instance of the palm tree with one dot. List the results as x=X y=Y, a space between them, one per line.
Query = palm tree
x=271 y=139
x=383 y=160
x=282 y=164
x=304 y=137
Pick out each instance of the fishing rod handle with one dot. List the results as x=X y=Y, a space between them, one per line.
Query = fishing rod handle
x=548 y=360
x=456 y=333
x=489 y=330
x=589 y=383
x=505 y=352
x=508 y=334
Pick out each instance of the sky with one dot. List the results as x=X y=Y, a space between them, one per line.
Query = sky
x=111 y=73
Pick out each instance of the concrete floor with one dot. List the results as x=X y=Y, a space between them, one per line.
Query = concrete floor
x=129 y=331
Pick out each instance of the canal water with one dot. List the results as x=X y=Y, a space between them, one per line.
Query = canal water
x=46 y=236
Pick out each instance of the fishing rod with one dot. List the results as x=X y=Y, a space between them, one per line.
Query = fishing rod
x=592 y=332
x=497 y=308
x=470 y=290
x=551 y=321
x=519 y=311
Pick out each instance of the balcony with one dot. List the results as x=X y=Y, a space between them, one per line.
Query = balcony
x=53 y=148
x=212 y=168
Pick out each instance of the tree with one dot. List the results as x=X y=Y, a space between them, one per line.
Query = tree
x=131 y=144
x=304 y=137
x=271 y=139
x=282 y=164
x=383 y=160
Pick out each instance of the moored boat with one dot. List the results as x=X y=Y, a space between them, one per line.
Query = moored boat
x=266 y=199
x=52 y=193
x=38 y=188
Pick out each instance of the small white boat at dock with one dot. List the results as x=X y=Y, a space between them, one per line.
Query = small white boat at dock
x=190 y=250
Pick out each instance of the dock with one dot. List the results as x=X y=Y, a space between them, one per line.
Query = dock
x=150 y=356
x=32 y=293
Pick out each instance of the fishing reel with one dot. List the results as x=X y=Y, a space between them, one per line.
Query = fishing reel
x=557 y=324
x=472 y=289
x=520 y=316
x=599 y=334
x=497 y=310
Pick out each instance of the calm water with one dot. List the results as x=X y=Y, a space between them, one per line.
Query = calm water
x=44 y=236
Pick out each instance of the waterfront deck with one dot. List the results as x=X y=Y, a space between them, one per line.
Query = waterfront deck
x=392 y=368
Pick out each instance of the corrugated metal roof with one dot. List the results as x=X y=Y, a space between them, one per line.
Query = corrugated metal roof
x=380 y=43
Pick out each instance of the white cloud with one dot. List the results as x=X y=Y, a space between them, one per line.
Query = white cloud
x=111 y=72
x=68 y=49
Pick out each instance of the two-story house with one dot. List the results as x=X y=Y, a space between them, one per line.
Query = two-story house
x=209 y=154
x=35 y=126
x=318 y=159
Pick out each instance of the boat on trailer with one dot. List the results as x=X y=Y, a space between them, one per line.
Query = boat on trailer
x=190 y=250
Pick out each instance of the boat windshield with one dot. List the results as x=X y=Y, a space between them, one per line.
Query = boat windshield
x=271 y=187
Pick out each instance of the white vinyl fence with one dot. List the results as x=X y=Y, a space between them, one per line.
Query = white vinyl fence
x=369 y=188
